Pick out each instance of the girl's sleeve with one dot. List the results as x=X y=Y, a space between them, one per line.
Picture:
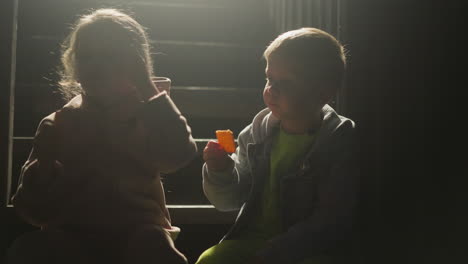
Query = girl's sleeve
x=170 y=141
x=37 y=194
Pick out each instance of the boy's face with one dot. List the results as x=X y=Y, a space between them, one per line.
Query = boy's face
x=287 y=95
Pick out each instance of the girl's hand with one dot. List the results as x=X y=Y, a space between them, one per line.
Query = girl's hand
x=146 y=89
x=141 y=78
x=215 y=157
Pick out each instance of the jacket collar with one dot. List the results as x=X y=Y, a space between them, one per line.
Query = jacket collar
x=265 y=124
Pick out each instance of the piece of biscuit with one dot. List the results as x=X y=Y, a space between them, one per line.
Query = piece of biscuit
x=226 y=140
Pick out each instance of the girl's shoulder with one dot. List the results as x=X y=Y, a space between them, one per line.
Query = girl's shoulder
x=72 y=108
x=67 y=114
x=75 y=103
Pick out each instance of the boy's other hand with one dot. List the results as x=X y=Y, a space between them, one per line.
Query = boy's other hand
x=215 y=157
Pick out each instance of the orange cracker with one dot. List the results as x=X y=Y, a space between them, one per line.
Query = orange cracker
x=226 y=140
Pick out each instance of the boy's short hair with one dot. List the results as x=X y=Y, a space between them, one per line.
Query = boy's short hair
x=315 y=55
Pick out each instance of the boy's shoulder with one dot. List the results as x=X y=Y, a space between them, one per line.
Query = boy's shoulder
x=337 y=132
x=262 y=125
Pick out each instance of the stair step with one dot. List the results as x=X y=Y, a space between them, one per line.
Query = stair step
x=211 y=109
x=209 y=48
x=187 y=63
x=231 y=21
x=181 y=187
x=206 y=108
x=218 y=102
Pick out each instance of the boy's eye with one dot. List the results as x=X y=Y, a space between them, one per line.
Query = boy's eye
x=285 y=87
x=278 y=85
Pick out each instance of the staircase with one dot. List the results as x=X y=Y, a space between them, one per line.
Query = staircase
x=211 y=49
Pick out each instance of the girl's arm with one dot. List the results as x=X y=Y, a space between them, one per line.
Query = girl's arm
x=170 y=141
x=34 y=199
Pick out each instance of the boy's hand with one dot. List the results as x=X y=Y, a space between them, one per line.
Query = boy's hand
x=215 y=157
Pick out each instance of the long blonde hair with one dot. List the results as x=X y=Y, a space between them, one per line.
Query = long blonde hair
x=95 y=27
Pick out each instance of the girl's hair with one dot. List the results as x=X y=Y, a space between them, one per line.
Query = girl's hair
x=314 y=54
x=119 y=39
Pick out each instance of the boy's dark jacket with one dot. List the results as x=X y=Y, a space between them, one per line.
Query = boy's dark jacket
x=318 y=196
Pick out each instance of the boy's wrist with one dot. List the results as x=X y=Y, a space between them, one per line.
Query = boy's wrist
x=221 y=176
x=219 y=166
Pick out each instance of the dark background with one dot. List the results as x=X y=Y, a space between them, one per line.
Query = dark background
x=406 y=84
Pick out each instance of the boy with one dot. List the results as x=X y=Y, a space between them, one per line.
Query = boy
x=292 y=176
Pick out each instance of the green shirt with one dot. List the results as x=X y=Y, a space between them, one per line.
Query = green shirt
x=287 y=150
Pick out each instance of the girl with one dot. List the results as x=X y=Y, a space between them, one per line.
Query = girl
x=92 y=181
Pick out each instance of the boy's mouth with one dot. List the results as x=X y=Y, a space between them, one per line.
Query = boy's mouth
x=268 y=103
x=272 y=106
